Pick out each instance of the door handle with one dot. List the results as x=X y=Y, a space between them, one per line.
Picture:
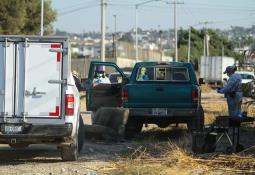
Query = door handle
x=33 y=93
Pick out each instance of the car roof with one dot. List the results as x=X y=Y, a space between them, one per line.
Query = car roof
x=245 y=72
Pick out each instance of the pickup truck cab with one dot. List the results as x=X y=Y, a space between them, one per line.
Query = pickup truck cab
x=39 y=102
x=156 y=92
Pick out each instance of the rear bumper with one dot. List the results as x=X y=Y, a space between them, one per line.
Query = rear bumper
x=173 y=116
x=36 y=133
x=171 y=113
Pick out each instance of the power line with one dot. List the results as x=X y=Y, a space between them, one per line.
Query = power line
x=77 y=5
x=77 y=9
x=221 y=5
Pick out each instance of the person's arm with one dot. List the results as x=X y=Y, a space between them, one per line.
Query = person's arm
x=107 y=80
x=227 y=89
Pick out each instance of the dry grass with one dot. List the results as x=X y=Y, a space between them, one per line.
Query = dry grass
x=165 y=151
x=205 y=88
x=174 y=160
x=213 y=109
x=175 y=157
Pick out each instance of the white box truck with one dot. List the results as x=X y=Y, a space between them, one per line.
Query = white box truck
x=39 y=102
x=212 y=68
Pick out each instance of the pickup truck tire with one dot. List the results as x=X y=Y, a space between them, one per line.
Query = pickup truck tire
x=81 y=134
x=70 y=153
x=93 y=117
x=132 y=128
x=197 y=123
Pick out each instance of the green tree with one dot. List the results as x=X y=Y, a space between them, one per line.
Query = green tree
x=24 y=17
x=216 y=44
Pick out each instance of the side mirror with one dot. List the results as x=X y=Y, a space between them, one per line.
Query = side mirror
x=86 y=84
x=201 y=81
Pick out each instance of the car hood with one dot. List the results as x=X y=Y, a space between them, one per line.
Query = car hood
x=246 y=81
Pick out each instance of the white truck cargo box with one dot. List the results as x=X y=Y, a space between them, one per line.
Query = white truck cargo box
x=212 y=68
x=38 y=98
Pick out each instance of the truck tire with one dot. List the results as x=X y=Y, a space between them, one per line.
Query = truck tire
x=93 y=117
x=81 y=134
x=70 y=153
x=197 y=123
x=132 y=128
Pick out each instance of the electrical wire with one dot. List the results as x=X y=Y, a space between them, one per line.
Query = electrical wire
x=77 y=5
x=78 y=9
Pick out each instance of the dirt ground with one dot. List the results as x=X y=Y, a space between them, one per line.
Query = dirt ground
x=153 y=151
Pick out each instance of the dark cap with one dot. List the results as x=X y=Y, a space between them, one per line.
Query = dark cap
x=230 y=69
x=100 y=69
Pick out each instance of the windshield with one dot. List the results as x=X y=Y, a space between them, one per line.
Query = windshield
x=247 y=76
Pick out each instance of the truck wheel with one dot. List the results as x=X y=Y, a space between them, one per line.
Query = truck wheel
x=81 y=134
x=70 y=153
x=198 y=122
x=132 y=128
x=93 y=117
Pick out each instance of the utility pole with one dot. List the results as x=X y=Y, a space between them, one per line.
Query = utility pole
x=136 y=26
x=206 y=38
x=189 y=44
x=103 y=9
x=114 y=38
x=175 y=28
x=136 y=33
x=175 y=34
x=42 y=8
x=222 y=50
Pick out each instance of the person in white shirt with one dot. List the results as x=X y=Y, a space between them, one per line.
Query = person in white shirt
x=100 y=77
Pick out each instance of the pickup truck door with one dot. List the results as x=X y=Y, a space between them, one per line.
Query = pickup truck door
x=103 y=95
x=38 y=65
x=25 y=71
x=7 y=62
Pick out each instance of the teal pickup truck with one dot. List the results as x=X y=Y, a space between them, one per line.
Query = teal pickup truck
x=159 y=93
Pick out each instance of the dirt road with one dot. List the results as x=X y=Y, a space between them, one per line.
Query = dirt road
x=154 y=151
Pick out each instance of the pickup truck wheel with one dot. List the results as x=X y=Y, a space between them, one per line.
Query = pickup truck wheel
x=132 y=128
x=81 y=134
x=198 y=122
x=70 y=153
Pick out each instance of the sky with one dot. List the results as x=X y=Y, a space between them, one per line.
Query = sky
x=79 y=16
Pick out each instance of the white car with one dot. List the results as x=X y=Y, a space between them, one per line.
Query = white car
x=247 y=82
x=246 y=76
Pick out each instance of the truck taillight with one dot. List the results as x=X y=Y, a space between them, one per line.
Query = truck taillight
x=69 y=106
x=124 y=95
x=194 y=95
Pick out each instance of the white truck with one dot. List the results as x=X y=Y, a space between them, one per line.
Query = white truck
x=39 y=102
x=212 y=68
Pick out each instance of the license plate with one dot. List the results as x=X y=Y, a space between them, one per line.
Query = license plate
x=12 y=129
x=159 y=111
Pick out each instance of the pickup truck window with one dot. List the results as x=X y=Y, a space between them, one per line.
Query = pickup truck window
x=159 y=73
